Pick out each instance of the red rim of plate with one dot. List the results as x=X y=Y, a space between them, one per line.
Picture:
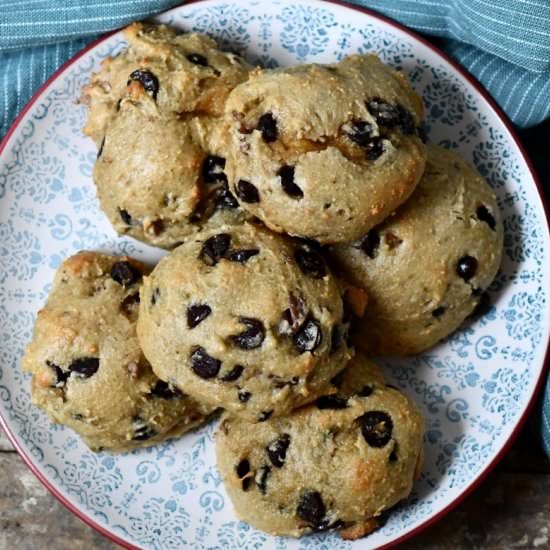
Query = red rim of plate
x=507 y=124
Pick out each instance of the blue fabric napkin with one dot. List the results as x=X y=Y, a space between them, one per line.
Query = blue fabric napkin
x=505 y=44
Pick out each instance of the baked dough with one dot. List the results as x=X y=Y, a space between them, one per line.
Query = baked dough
x=88 y=370
x=426 y=268
x=337 y=464
x=324 y=151
x=244 y=319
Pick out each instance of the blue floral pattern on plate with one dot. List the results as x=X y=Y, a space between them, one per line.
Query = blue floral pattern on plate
x=473 y=388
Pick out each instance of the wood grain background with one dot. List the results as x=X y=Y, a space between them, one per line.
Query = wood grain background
x=511 y=509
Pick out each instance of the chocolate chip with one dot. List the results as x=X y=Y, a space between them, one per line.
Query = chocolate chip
x=308 y=336
x=360 y=132
x=374 y=148
x=370 y=242
x=223 y=198
x=338 y=380
x=243 y=467
x=124 y=216
x=197 y=59
x=376 y=427
x=252 y=337
x=482 y=307
x=310 y=261
x=212 y=169
x=365 y=391
x=484 y=215
x=128 y=306
x=143 y=433
x=247 y=192
x=311 y=508
x=197 y=313
x=265 y=415
x=406 y=120
x=204 y=365
x=384 y=113
x=155 y=295
x=331 y=402
x=85 y=366
x=147 y=79
x=276 y=450
x=233 y=374
x=244 y=396
x=286 y=173
x=335 y=338
x=393 y=454
x=243 y=255
x=438 y=311
x=267 y=125
x=165 y=391
x=466 y=267
x=100 y=150
x=214 y=248
x=125 y=274
x=61 y=376
x=261 y=478
x=293 y=317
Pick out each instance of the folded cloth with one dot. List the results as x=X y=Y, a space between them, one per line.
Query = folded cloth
x=505 y=44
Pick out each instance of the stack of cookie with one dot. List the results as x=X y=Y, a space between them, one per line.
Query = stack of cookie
x=306 y=217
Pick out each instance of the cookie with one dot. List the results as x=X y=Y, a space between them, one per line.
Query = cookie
x=151 y=112
x=155 y=181
x=88 y=370
x=428 y=267
x=340 y=463
x=184 y=73
x=324 y=151
x=244 y=319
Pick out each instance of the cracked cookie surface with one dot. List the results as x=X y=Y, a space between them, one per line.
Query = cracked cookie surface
x=324 y=151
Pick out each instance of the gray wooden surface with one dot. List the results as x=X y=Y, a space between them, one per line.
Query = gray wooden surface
x=511 y=509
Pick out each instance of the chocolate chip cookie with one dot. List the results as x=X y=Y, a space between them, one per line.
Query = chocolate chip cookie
x=183 y=73
x=154 y=180
x=428 y=267
x=88 y=370
x=244 y=319
x=324 y=151
x=152 y=110
x=339 y=463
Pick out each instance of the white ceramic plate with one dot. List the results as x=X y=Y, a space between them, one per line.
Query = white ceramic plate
x=475 y=389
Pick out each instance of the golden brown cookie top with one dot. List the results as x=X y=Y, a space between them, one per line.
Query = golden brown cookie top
x=88 y=369
x=336 y=464
x=244 y=319
x=426 y=267
x=324 y=151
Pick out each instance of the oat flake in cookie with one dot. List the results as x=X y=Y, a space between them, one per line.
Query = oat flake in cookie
x=244 y=319
x=339 y=463
x=324 y=151
x=428 y=267
x=88 y=370
x=152 y=110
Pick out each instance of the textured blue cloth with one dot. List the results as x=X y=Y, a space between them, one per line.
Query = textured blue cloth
x=505 y=44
